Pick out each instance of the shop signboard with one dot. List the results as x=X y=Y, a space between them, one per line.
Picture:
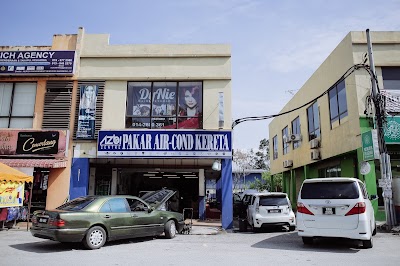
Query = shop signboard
x=11 y=194
x=392 y=130
x=370 y=147
x=165 y=144
x=30 y=143
x=37 y=62
x=87 y=112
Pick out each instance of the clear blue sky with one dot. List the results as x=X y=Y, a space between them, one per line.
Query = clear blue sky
x=276 y=45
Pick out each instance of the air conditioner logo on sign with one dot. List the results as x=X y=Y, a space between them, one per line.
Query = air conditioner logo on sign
x=111 y=141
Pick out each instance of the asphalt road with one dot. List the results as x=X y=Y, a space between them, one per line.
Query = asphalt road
x=18 y=247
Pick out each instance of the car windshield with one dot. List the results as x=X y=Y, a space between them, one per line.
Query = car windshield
x=273 y=200
x=329 y=190
x=76 y=204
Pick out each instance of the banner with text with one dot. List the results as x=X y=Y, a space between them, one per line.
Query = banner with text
x=165 y=143
x=37 y=62
x=87 y=112
x=11 y=194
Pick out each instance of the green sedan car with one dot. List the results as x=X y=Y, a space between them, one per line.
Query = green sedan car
x=94 y=220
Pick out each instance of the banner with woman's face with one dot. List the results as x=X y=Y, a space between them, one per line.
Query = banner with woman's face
x=87 y=112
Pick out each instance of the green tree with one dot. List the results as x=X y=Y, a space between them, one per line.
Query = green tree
x=261 y=157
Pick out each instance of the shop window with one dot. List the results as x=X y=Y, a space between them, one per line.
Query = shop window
x=296 y=131
x=285 y=136
x=333 y=171
x=39 y=190
x=337 y=104
x=313 y=122
x=275 y=147
x=165 y=105
x=17 y=104
x=391 y=89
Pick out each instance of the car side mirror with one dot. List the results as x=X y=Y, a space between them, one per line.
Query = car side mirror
x=373 y=197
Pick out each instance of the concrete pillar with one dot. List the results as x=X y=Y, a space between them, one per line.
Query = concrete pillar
x=226 y=195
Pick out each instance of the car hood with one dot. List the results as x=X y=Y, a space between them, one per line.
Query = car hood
x=159 y=197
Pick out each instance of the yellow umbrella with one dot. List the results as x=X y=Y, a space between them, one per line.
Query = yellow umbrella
x=8 y=173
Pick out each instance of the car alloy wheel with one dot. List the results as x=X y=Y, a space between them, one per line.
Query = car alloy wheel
x=170 y=229
x=95 y=238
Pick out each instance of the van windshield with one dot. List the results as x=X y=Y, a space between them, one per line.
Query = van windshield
x=330 y=190
x=273 y=201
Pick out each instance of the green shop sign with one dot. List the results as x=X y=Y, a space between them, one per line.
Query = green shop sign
x=370 y=146
x=392 y=130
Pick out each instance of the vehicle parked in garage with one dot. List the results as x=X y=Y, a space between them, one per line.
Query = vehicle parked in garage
x=94 y=220
x=335 y=207
x=270 y=209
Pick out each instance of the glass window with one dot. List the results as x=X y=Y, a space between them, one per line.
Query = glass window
x=333 y=171
x=273 y=200
x=137 y=205
x=391 y=89
x=296 y=131
x=76 y=204
x=118 y=205
x=165 y=105
x=17 y=104
x=337 y=103
x=313 y=121
x=330 y=190
x=275 y=147
x=285 y=135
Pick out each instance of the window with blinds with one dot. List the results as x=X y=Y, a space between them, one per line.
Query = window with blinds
x=57 y=105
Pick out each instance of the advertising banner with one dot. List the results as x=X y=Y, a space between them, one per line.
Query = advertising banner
x=392 y=130
x=11 y=194
x=370 y=146
x=34 y=143
x=165 y=144
x=87 y=112
x=37 y=62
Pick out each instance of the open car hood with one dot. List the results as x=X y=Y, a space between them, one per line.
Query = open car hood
x=157 y=198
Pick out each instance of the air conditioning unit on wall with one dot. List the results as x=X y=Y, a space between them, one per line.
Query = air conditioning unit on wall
x=295 y=137
x=286 y=139
x=315 y=144
x=315 y=155
x=287 y=163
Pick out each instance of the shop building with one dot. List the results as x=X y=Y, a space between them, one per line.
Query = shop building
x=36 y=85
x=152 y=116
x=325 y=137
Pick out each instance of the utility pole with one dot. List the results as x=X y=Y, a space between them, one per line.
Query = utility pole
x=385 y=167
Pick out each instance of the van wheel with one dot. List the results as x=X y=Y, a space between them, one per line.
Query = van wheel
x=95 y=238
x=292 y=228
x=307 y=240
x=374 y=232
x=367 y=243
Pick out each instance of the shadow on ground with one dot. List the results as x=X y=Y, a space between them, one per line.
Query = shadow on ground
x=291 y=241
x=49 y=246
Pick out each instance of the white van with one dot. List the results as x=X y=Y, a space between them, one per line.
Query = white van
x=335 y=207
x=271 y=209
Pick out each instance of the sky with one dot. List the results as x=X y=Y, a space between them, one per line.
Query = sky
x=276 y=45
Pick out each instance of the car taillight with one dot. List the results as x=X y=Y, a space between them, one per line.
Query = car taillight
x=58 y=222
x=303 y=209
x=257 y=208
x=359 y=208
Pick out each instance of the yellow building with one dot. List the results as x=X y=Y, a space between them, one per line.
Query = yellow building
x=324 y=137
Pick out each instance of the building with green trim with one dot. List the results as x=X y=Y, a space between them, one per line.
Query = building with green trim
x=323 y=138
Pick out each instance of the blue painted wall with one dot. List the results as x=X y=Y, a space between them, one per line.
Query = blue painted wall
x=226 y=194
x=79 y=182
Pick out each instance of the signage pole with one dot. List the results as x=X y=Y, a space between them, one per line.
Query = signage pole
x=385 y=168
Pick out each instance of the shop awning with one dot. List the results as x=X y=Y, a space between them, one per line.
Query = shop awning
x=8 y=173
x=42 y=163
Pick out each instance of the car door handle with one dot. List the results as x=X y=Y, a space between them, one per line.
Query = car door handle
x=107 y=216
x=134 y=216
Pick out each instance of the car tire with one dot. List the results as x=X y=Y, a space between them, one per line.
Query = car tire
x=95 y=238
x=292 y=228
x=374 y=232
x=367 y=243
x=170 y=229
x=307 y=240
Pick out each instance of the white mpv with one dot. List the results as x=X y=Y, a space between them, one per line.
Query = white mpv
x=335 y=207
x=270 y=209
